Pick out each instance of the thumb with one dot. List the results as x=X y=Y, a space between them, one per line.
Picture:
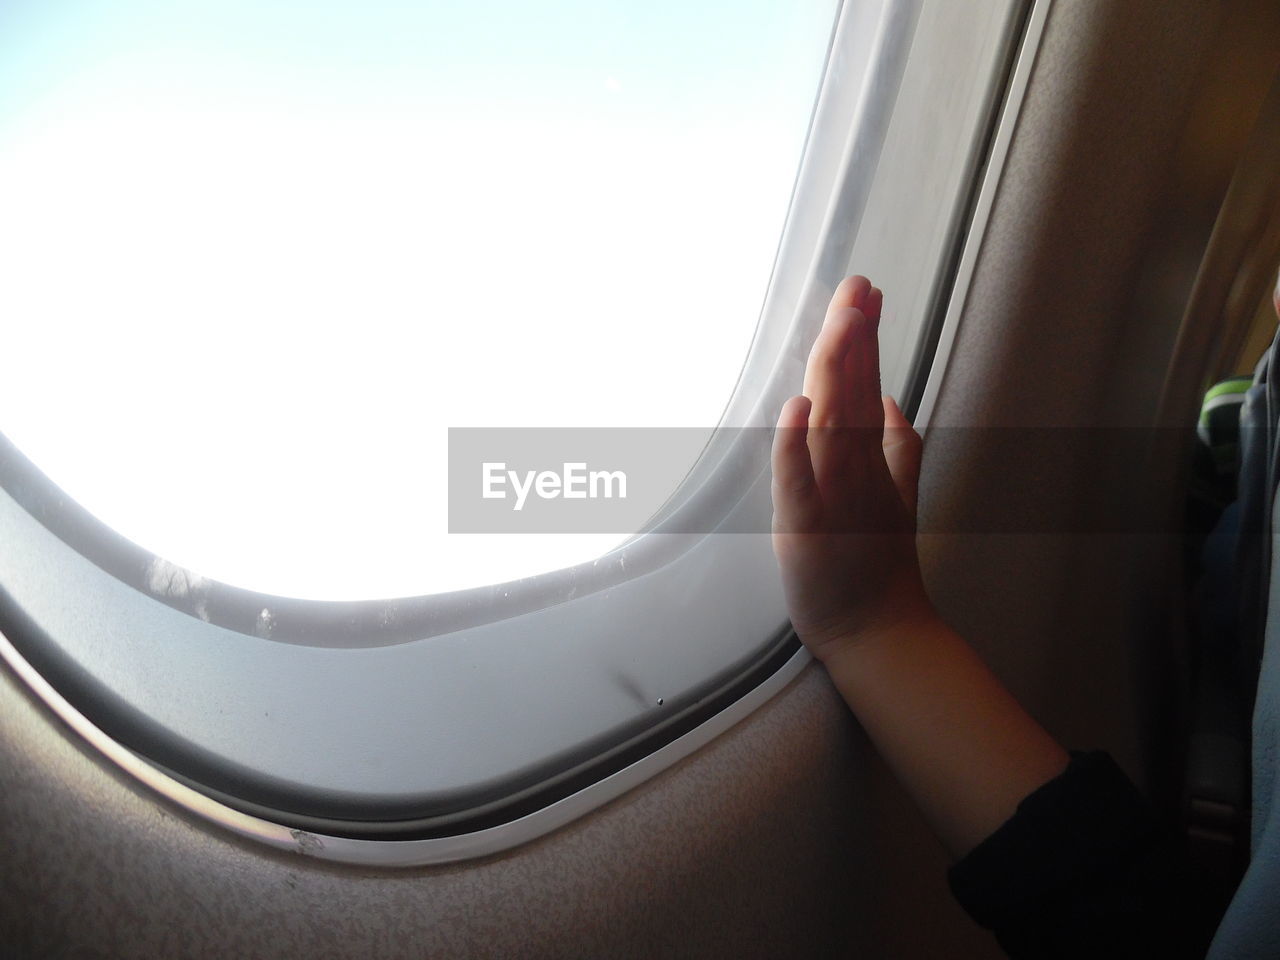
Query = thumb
x=903 y=449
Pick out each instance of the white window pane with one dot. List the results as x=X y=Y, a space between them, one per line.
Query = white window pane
x=259 y=256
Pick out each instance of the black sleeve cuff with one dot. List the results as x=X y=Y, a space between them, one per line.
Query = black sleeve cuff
x=1060 y=848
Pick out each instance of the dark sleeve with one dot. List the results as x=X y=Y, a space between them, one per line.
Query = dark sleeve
x=1084 y=869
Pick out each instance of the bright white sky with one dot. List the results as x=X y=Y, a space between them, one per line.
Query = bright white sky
x=256 y=256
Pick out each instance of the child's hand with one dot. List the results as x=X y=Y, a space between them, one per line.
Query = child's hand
x=845 y=470
x=845 y=467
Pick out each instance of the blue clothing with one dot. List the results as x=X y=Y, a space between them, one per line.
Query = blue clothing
x=1251 y=928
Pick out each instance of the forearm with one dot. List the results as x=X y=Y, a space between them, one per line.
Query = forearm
x=956 y=738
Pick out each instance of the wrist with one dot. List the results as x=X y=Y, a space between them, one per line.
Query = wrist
x=906 y=627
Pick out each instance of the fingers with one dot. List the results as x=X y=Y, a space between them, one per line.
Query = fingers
x=842 y=379
x=864 y=363
x=852 y=292
x=843 y=374
x=824 y=379
x=797 y=506
x=873 y=305
x=827 y=385
x=903 y=450
x=862 y=380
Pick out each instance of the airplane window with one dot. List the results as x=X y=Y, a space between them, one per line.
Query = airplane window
x=261 y=256
x=266 y=261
